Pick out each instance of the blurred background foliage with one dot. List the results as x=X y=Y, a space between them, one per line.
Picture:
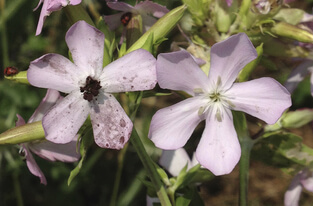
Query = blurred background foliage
x=93 y=185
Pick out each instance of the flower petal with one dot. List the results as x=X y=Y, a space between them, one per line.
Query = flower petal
x=52 y=96
x=308 y=183
x=174 y=160
x=120 y=6
x=219 y=149
x=53 y=71
x=56 y=5
x=229 y=57
x=53 y=152
x=179 y=71
x=113 y=21
x=149 y=7
x=43 y=14
x=111 y=125
x=86 y=44
x=298 y=74
x=20 y=121
x=63 y=121
x=172 y=126
x=133 y=72
x=293 y=193
x=229 y=2
x=263 y=98
x=32 y=165
x=75 y=2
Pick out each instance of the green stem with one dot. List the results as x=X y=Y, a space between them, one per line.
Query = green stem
x=246 y=146
x=4 y=37
x=120 y=162
x=17 y=188
x=150 y=169
x=77 y=13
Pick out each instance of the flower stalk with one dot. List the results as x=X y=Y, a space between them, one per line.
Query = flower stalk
x=150 y=169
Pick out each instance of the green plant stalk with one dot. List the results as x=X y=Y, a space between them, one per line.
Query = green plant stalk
x=246 y=146
x=4 y=37
x=77 y=13
x=17 y=189
x=120 y=162
x=149 y=167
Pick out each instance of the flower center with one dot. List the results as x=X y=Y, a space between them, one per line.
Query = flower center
x=215 y=101
x=91 y=88
x=125 y=18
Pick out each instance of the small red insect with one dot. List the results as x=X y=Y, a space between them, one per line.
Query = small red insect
x=125 y=18
x=10 y=71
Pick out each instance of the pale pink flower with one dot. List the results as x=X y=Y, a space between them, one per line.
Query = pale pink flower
x=49 y=6
x=213 y=98
x=304 y=179
x=43 y=148
x=90 y=86
x=148 y=10
x=298 y=74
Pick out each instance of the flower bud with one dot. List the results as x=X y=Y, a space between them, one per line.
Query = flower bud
x=25 y=133
x=20 y=77
x=292 y=32
x=297 y=118
x=161 y=28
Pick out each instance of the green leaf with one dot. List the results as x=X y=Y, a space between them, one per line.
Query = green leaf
x=290 y=15
x=161 y=28
x=248 y=69
x=86 y=134
x=283 y=150
x=185 y=199
x=162 y=174
x=109 y=42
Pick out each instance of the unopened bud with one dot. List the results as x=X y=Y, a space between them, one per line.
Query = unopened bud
x=292 y=32
x=25 y=133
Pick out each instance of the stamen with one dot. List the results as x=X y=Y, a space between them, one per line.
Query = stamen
x=218 y=115
x=219 y=82
x=91 y=89
x=201 y=110
x=198 y=91
x=230 y=104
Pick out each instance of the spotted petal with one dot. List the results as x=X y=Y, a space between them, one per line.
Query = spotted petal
x=111 y=125
x=55 y=72
x=86 y=45
x=172 y=126
x=33 y=167
x=63 y=121
x=133 y=72
x=263 y=98
x=229 y=57
x=179 y=71
x=219 y=148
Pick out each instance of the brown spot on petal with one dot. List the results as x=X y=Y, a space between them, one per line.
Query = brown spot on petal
x=122 y=123
x=122 y=139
